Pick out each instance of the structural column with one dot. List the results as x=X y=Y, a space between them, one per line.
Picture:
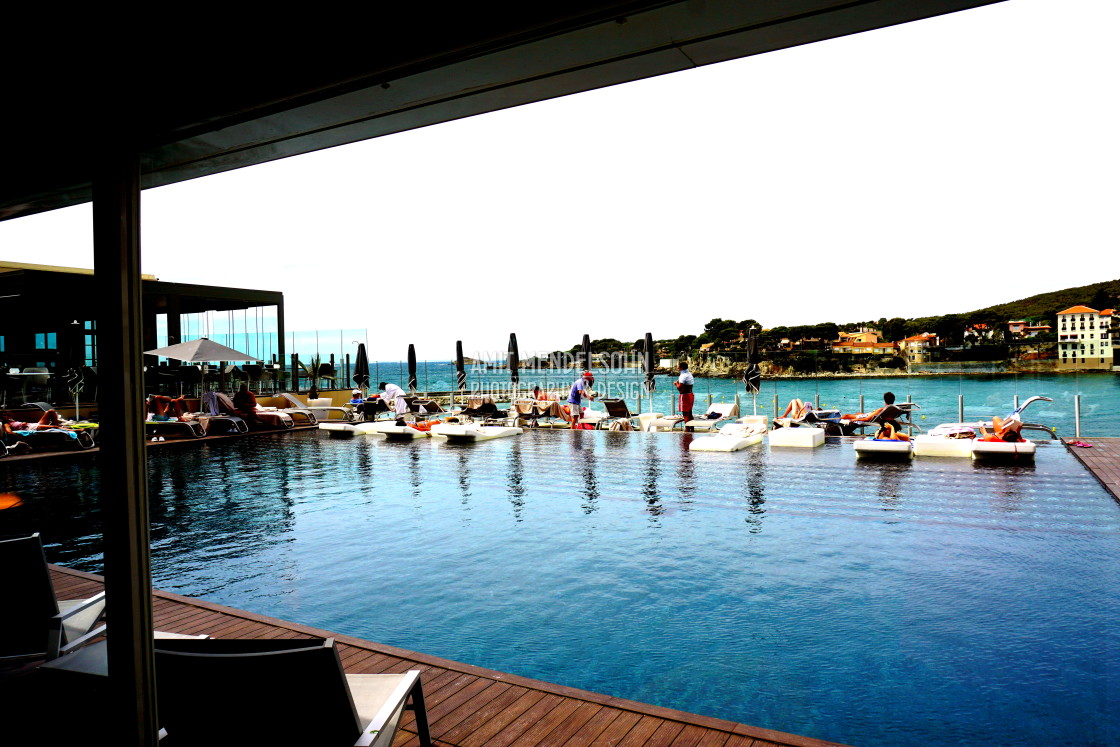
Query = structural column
x=122 y=461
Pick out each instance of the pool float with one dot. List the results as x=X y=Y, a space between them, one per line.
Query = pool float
x=1015 y=451
x=883 y=448
x=390 y=429
x=730 y=437
x=947 y=440
x=471 y=432
x=800 y=437
x=337 y=429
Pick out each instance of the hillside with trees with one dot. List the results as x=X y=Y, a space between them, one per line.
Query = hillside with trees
x=950 y=328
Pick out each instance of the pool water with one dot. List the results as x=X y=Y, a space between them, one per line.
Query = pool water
x=867 y=603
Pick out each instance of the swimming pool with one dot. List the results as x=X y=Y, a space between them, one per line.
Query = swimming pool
x=799 y=590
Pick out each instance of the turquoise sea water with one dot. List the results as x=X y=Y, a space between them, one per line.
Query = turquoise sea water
x=873 y=604
x=984 y=395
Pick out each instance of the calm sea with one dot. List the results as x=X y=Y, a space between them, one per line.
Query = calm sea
x=984 y=395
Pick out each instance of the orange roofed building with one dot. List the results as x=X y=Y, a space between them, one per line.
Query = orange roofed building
x=1085 y=339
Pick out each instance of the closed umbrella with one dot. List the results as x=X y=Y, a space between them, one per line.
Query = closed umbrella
x=585 y=353
x=411 y=368
x=460 y=366
x=647 y=363
x=752 y=376
x=513 y=360
x=361 y=367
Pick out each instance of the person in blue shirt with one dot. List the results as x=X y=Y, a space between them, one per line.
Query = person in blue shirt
x=581 y=389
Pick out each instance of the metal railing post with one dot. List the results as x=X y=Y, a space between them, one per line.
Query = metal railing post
x=960 y=408
x=1077 y=415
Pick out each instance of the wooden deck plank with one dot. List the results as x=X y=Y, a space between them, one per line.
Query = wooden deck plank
x=1101 y=458
x=617 y=729
x=595 y=726
x=571 y=725
x=470 y=706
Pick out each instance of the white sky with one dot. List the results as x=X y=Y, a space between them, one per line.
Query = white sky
x=933 y=167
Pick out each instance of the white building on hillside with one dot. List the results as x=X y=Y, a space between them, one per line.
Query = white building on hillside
x=1084 y=338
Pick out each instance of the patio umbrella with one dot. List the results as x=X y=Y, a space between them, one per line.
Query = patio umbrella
x=411 y=367
x=752 y=376
x=585 y=353
x=460 y=367
x=361 y=367
x=513 y=360
x=202 y=350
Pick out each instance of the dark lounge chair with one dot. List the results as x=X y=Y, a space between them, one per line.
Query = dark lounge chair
x=258 y=420
x=35 y=624
x=243 y=691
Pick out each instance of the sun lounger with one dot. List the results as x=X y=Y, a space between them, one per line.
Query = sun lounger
x=35 y=623
x=235 y=692
x=321 y=412
x=716 y=414
x=262 y=419
x=617 y=413
x=174 y=429
x=900 y=414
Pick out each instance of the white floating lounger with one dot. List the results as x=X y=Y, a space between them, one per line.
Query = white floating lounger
x=875 y=448
x=337 y=429
x=949 y=440
x=390 y=429
x=471 y=432
x=1004 y=451
x=731 y=437
x=801 y=437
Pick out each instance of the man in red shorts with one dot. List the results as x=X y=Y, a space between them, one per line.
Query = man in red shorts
x=684 y=385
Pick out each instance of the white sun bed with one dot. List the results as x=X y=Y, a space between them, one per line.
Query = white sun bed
x=731 y=437
x=797 y=437
x=471 y=432
x=875 y=448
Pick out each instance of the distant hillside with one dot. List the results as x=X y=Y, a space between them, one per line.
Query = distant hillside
x=1098 y=296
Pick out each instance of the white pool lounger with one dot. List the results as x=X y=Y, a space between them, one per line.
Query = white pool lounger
x=1003 y=451
x=337 y=429
x=797 y=437
x=471 y=432
x=873 y=448
x=931 y=445
x=391 y=430
x=730 y=437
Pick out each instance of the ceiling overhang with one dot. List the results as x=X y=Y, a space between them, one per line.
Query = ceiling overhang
x=462 y=72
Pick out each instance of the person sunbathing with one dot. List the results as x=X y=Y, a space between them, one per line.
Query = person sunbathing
x=889 y=433
x=797 y=409
x=162 y=407
x=1003 y=430
x=888 y=400
x=48 y=420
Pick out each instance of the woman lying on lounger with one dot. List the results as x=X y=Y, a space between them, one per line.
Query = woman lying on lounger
x=797 y=409
x=49 y=419
x=1003 y=430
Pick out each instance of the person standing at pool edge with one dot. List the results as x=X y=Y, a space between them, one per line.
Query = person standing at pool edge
x=581 y=388
x=393 y=395
x=684 y=385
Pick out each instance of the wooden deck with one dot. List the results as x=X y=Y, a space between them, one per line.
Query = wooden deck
x=1103 y=460
x=470 y=706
